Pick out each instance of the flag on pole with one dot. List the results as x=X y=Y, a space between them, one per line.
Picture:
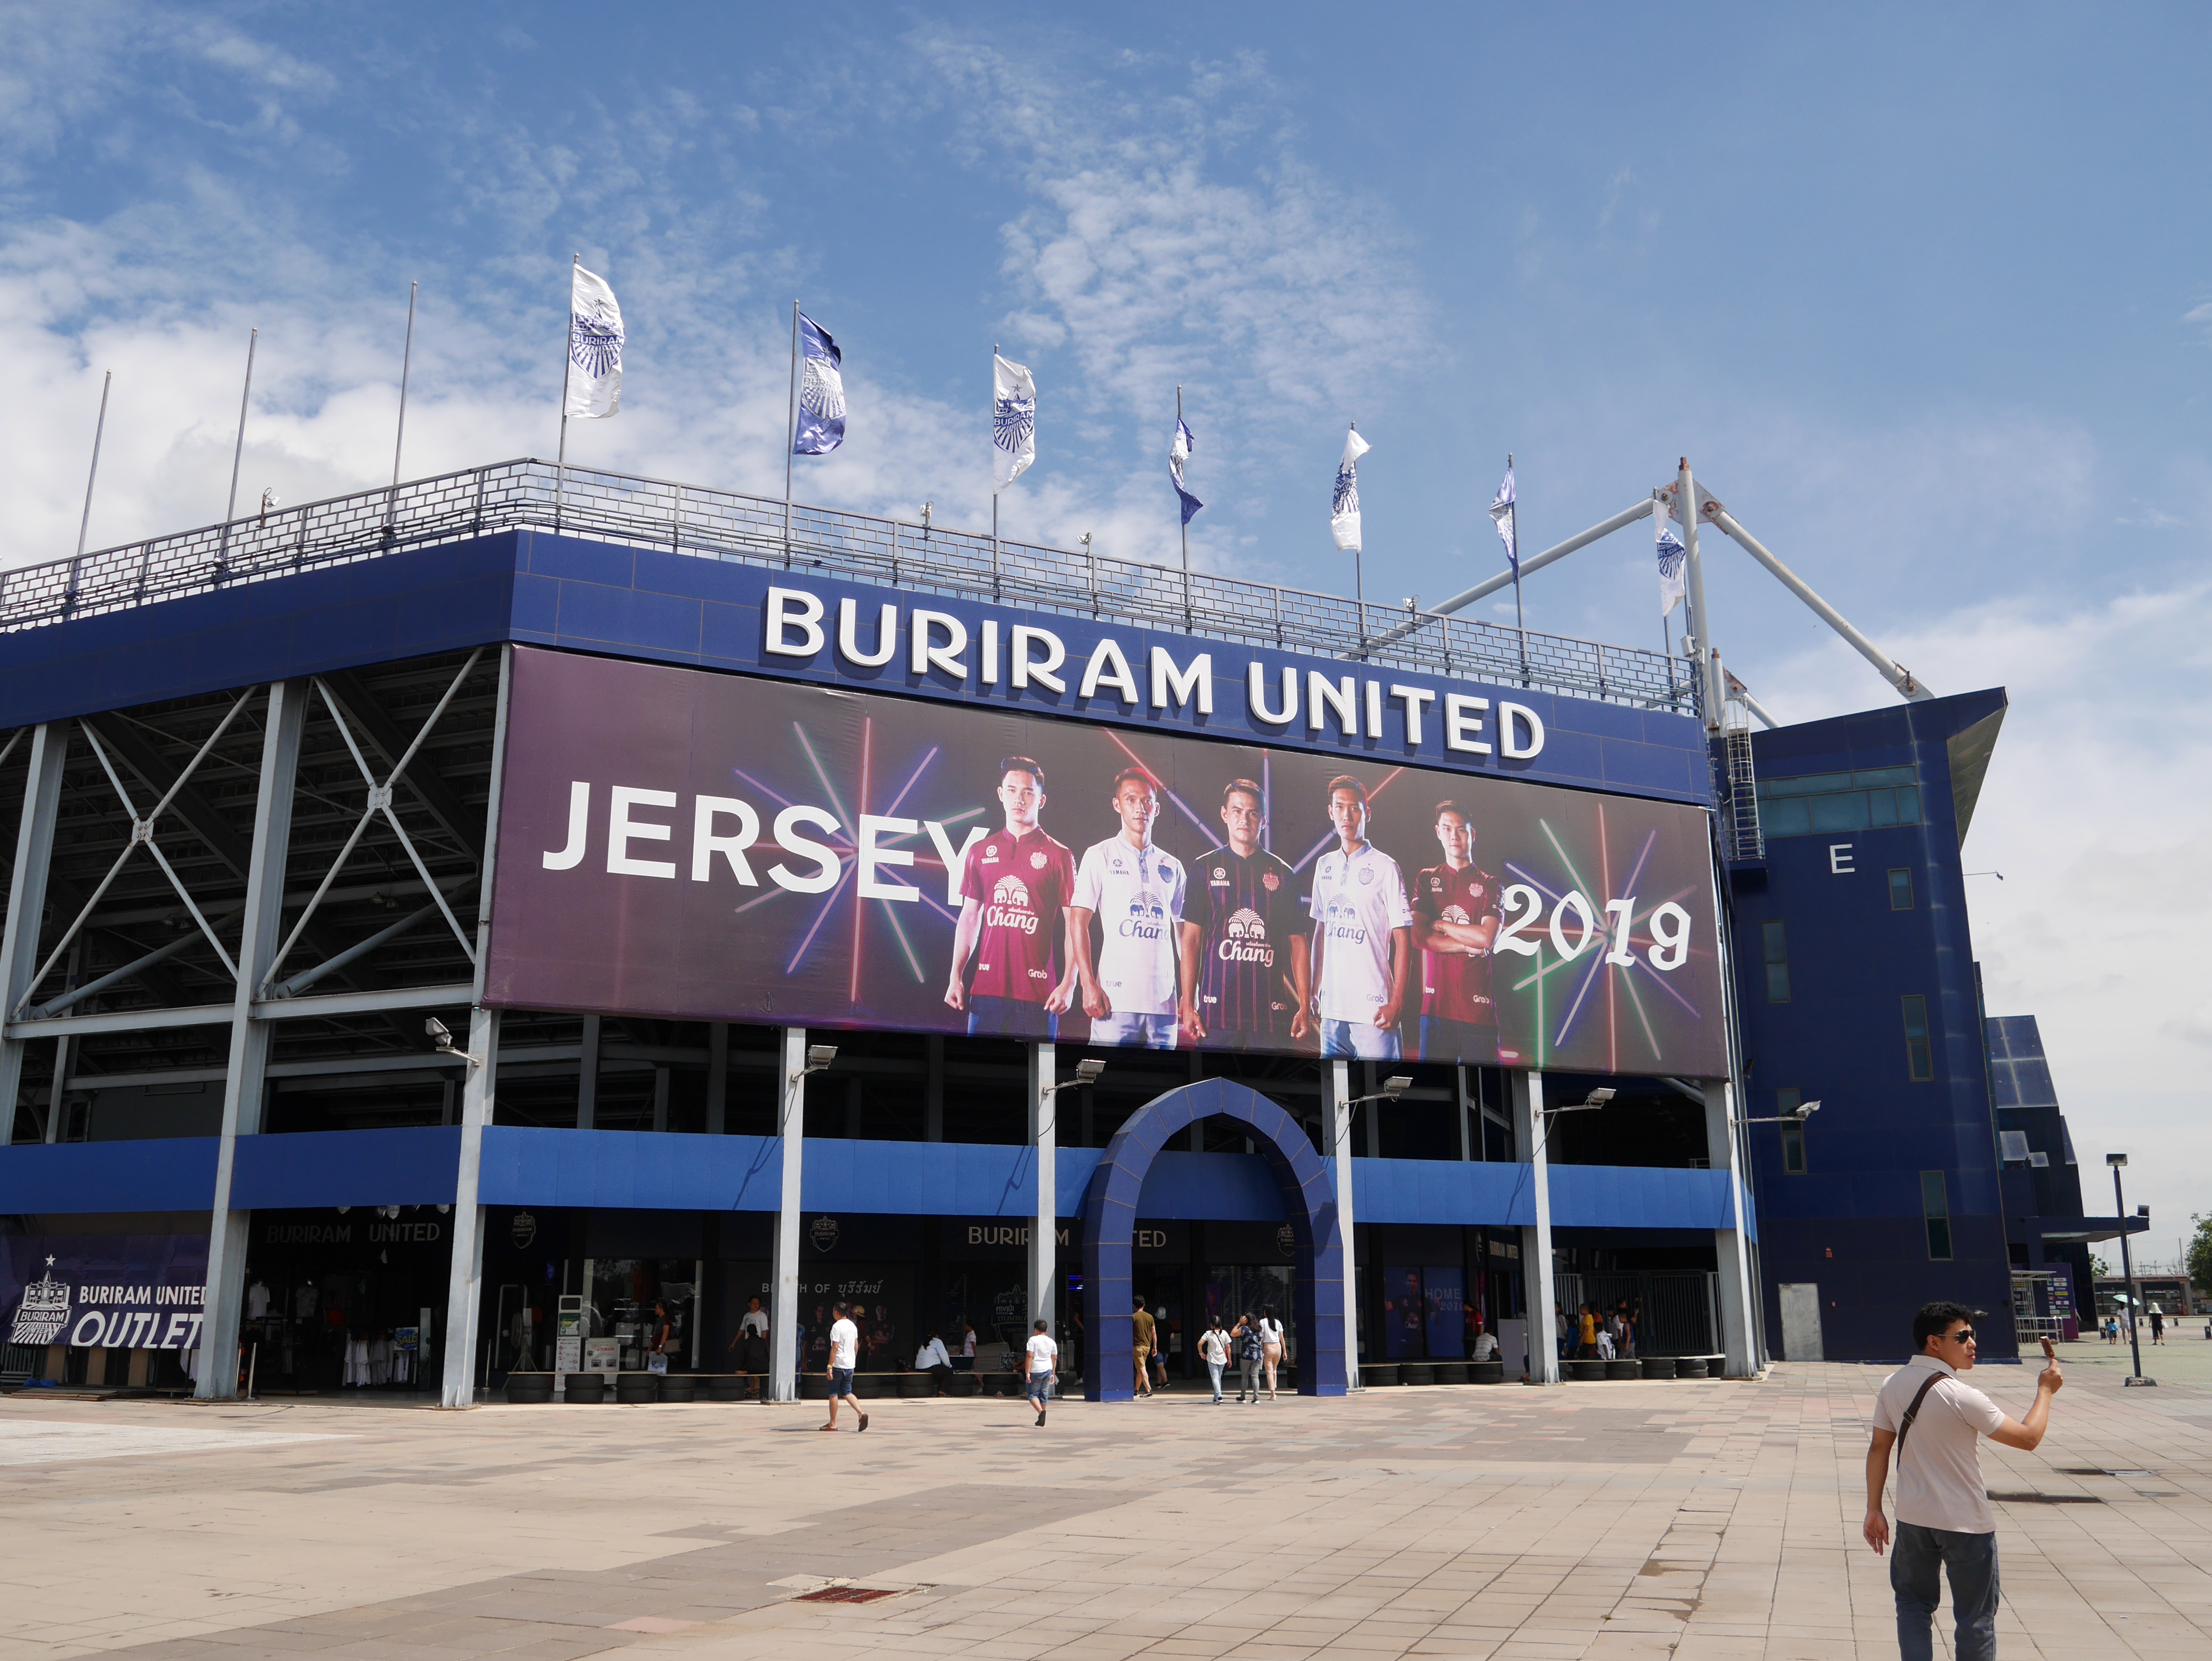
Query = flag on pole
x=1502 y=514
x=1013 y=421
x=1344 y=508
x=1178 y=453
x=1671 y=557
x=595 y=344
x=821 y=392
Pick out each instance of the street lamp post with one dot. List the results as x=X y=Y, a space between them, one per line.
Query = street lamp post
x=2118 y=1161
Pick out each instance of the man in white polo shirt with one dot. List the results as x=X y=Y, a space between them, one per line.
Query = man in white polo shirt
x=1935 y=1420
x=1362 y=926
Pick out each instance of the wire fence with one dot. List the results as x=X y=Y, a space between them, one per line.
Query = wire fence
x=710 y=524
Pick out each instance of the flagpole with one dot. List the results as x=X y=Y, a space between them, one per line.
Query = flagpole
x=98 y=432
x=790 y=433
x=399 y=439
x=238 y=455
x=1359 y=582
x=568 y=368
x=994 y=470
x=1185 y=518
x=1513 y=517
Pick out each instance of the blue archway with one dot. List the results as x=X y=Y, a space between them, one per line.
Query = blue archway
x=1109 y=1214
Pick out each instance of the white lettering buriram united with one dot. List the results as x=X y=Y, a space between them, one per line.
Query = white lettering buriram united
x=790 y=609
x=1108 y=667
x=1181 y=683
x=1255 y=695
x=849 y=634
x=788 y=838
x=1512 y=715
x=705 y=843
x=928 y=655
x=1462 y=724
x=1038 y=669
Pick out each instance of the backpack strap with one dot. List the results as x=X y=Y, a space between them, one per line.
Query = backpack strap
x=1904 y=1425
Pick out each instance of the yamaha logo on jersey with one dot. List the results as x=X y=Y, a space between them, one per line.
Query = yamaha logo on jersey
x=1244 y=939
x=1010 y=905
x=1219 y=874
x=990 y=856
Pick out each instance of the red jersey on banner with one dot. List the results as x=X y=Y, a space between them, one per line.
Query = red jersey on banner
x=1454 y=986
x=1023 y=882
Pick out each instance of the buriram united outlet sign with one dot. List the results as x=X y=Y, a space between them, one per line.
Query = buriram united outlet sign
x=990 y=822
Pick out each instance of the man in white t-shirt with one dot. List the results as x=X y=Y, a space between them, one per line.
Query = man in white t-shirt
x=1933 y=1419
x=844 y=1356
x=1362 y=928
x=1044 y=1359
x=1135 y=891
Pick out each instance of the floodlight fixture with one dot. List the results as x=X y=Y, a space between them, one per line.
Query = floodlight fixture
x=1088 y=1069
x=1589 y=1103
x=442 y=1040
x=1806 y=1110
x=2116 y=1160
x=819 y=1056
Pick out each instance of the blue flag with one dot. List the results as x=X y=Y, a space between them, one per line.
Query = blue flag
x=1179 y=452
x=1501 y=514
x=821 y=392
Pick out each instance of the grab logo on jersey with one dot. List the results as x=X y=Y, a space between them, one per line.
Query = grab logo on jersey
x=1147 y=919
x=1244 y=939
x=1009 y=906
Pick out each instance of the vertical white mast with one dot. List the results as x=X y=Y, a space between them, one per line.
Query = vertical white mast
x=98 y=432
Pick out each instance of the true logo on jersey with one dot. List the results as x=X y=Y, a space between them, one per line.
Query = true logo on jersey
x=1009 y=906
x=1244 y=939
x=1147 y=919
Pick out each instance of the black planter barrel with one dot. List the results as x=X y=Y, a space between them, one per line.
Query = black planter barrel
x=679 y=1387
x=1449 y=1372
x=586 y=1389
x=1416 y=1373
x=1689 y=1367
x=1620 y=1369
x=1657 y=1366
x=1376 y=1375
x=1485 y=1372
x=529 y=1386
x=635 y=1389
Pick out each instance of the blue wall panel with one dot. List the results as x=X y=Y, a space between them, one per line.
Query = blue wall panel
x=410 y=1167
x=672 y=608
x=170 y=1174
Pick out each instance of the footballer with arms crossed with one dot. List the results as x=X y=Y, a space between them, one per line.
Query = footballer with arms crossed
x=1455 y=920
x=1240 y=924
x=1135 y=891
x=1361 y=923
x=1015 y=886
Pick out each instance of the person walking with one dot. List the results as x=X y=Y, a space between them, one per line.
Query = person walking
x=1143 y=1334
x=1214 y=1350
x=1271 y=1345
x=1944 y=1523
x=2157 y=1324
x=751 y=1344
x=966 y=1363
x=844 y=1356
x=1245 y=1338
x=1044 y=1359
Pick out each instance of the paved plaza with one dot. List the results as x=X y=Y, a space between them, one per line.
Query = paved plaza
x=1691 y=1519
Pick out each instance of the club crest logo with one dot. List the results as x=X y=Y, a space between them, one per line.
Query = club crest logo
x=524 y=1229
x=1271 y=882
x=1366 y=876
x=1286 y=1239
x=1037 y=862
x=44 y=1311
x=823 y=1234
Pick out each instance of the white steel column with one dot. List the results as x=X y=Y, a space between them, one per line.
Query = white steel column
x=783 y=1303
x=1525 y=1089
x=465 y=1280
x=246 y=1083
x=1709 y=675
x=1731 y=1245
x=27 y=896
x=1336 y=1103
x=1044 y=1142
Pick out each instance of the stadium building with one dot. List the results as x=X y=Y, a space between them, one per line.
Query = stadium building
x=488 y=932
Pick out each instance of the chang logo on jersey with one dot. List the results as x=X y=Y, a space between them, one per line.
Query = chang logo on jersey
x=1147 y=919
x=1009 y=906
x=1453 y=914
x=1342 y=922
x=1244 y=939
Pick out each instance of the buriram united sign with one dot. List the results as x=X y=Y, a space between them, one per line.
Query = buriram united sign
x=705 y=846
x=116 y=1292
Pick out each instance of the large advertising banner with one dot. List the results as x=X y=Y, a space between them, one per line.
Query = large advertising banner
x=104 y=1291
x=700 y=846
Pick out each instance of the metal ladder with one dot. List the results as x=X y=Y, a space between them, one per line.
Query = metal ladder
x=1745 y=839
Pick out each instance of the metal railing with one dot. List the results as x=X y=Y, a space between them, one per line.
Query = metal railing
x=710 y=524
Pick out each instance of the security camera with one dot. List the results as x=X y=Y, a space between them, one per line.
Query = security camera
x=1087 y=1071
x=1397 y=1084
x=441 y=1034
x=1599 y=1097
x=821 y=1054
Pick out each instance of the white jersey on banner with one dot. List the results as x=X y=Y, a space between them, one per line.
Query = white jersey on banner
x=1137 y=895
x=1357 y=899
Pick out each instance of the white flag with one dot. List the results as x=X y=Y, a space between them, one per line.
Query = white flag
x=1672 y=556
x=1344 y=507
x=1013 y=421
x=595 y=344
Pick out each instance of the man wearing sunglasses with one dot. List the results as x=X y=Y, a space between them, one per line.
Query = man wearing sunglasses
x=1935 y=1420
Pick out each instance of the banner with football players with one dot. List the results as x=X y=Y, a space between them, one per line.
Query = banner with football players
x=696 y=846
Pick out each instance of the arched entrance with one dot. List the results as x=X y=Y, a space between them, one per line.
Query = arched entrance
x=1308 y=1202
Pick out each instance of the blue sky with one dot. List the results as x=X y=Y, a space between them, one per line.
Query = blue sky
x=1927 y=298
